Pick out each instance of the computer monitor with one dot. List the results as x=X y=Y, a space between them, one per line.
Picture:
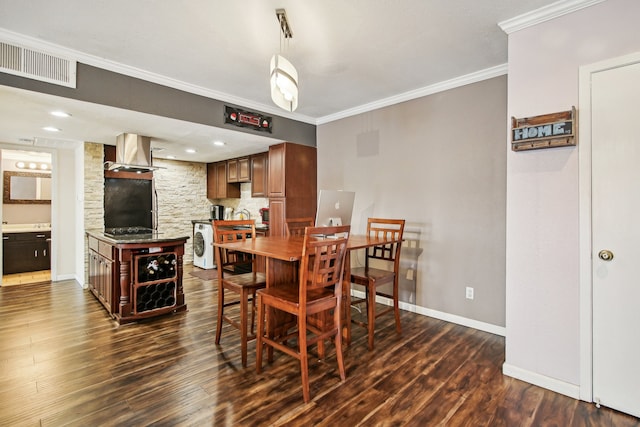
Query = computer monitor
x=334 y=208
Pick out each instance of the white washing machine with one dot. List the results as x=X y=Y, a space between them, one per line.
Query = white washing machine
x=203 y=246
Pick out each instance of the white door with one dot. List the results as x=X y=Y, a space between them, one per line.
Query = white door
x=615 y=96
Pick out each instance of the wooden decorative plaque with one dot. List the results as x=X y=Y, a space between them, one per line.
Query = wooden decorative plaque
x=546 y=131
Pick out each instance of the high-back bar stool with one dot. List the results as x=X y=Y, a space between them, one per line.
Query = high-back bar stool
x=244 y=284
x=372 y=278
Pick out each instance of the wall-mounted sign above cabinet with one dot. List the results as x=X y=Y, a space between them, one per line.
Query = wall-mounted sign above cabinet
x=546 y=131
x=246 y=119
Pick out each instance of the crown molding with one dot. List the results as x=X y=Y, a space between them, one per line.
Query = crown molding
x=485 y=74
x=544 y=14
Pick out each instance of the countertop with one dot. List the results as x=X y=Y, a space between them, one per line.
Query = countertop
x=259 y=227
x=26 y=228
x=156 y=237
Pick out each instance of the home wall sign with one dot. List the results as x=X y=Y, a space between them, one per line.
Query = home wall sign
x=247 y=119
x=546 y=131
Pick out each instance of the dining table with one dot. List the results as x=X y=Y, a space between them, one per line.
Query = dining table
x=281 y=254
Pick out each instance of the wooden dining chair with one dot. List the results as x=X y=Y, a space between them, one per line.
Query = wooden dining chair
x=237 y=274
x=373 y=277
x=296 y=226
x=318 y=292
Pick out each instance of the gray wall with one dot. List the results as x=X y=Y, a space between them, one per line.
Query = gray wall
x=117 y=90
x=440 y=163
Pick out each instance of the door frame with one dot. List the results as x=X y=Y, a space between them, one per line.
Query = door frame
x=53 y=152
x=586 y=265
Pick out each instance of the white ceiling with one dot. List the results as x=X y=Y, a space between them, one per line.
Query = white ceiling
x=351 y=55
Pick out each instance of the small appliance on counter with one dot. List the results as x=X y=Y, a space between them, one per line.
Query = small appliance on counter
x=264 y=215
x=217 y=212
x=228 y=213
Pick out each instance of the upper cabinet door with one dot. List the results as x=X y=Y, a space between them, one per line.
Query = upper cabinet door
x=259 y=175
x=244 y=169
x=238 y=170
x=232 y=170
x=217 y=185
x=277 y=170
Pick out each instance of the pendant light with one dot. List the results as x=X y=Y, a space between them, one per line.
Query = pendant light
x=283 y=76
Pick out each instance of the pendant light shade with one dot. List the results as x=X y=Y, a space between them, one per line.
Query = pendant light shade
x=284 y=83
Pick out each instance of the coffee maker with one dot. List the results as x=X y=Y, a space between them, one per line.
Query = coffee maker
x=217 y=212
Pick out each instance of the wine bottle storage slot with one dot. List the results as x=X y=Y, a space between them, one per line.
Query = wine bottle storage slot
x=155 y=267
x=155 y=296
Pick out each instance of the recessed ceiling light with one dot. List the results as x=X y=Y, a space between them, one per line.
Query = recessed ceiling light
x=60 y=114
x=190 y=150
x=51 y=129
x=218 y=143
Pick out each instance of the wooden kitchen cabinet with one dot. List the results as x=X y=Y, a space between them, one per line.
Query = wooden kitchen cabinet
x=239 y=170
x=136 y=278
x=101 y=277
x=292 y=184
x=217 y=185
x=276 y=186
x=23 y=252
x=259 y=174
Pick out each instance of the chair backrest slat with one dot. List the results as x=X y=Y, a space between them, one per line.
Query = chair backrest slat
x=296 y=226
x=385 y=228
x=322 y=263
x=231 y=231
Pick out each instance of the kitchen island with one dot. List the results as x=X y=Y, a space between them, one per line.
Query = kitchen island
x=136 y=276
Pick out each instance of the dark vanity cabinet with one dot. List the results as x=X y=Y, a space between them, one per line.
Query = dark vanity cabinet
x=23 y=252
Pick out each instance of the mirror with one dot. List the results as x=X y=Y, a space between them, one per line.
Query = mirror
x=27 y=188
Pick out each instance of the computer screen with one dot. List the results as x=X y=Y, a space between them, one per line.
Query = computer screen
x=334 y=208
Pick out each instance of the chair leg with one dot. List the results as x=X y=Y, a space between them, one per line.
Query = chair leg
x=220 y=312
x=244 y=301
x=253 y=311
x=396 y=304
x=304 y=360
x=371 y=312
x=322 y=319
x=338 y=343
x=259 y=336
x=346 y=307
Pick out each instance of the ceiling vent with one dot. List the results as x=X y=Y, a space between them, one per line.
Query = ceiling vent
x=37 y=65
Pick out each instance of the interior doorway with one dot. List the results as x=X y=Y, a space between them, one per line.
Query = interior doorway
x=610 y=204
x=26 y=216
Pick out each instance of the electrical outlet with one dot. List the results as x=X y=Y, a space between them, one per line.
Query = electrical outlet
x=469 y=292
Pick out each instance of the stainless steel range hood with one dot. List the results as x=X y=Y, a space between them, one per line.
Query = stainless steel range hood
x=133 y=154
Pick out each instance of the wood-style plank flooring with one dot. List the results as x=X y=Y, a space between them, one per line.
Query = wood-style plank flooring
x=26 y=278
x=63 y=361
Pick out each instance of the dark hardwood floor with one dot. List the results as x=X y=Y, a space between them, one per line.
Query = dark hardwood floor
x=63 y=361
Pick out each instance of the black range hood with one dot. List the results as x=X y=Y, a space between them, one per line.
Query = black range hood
x=133 y=154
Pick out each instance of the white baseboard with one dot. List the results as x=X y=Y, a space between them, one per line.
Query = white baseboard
x=447 y=317
x=543 y=381
x=61 y=277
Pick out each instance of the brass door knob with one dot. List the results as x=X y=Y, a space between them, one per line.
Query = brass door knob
x=605 y=255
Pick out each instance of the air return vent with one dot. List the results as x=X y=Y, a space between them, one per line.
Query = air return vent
x=37 y=65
